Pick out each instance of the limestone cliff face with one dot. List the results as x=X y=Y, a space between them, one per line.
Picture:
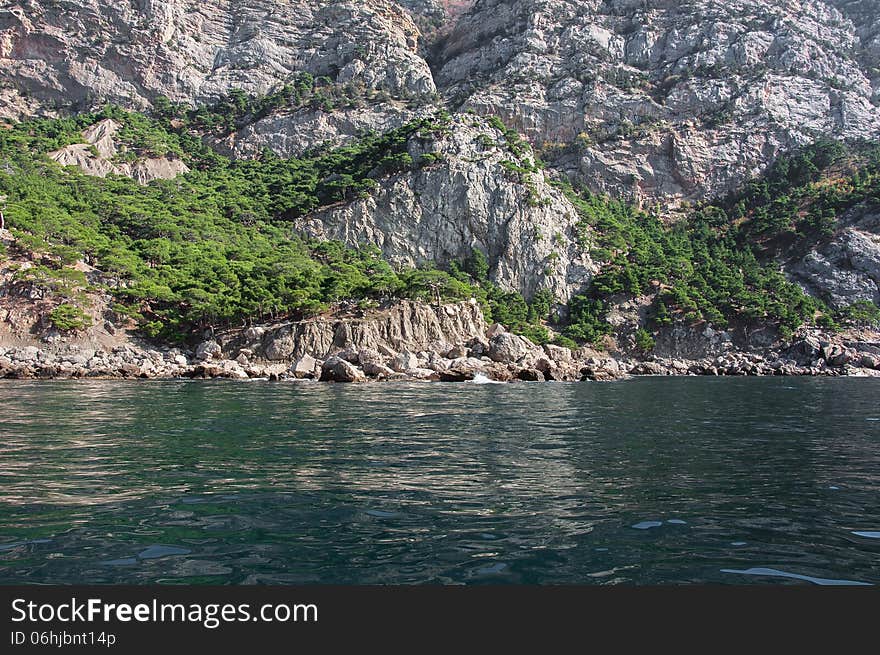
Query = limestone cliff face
x=96 y=156
x=407 y=326
x=469 y=197
x=291 y=133
x=668 y=100
x=88 y=51
x=650 y=100
x=846 y=268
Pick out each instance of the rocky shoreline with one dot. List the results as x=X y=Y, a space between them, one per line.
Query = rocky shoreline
x=500 y=356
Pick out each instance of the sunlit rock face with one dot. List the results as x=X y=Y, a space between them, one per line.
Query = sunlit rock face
x=89 y=51
x=659 y=100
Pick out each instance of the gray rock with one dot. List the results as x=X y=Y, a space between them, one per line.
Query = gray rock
x=411 y=326
x=529 y=232
x=208 y=350
x=845 y=269
x=506 y=347
x=494 y=330
x=457 y=351
x=530 y=375
x=424 y=374
x=106 y=52
x=376 y=370
x=369 y=356
x=337 y=369
x=253 y=334
x=479 y=347
x=306 y=367
x=404 y=362
x=557 y=353
x=662 y=101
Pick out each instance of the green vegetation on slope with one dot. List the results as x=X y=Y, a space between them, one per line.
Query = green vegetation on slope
x=716 y=265
x=220 y=244
x=217 y=245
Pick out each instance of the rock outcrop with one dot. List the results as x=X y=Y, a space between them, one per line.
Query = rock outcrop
x=846 y=268
x=93 y=51
x=291 y=133
x=473 y=195
x=659 y=101
x=97 y=156
x=406 y=326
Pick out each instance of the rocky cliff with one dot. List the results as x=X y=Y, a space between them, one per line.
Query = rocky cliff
x=664 y=100
x=658 y=103
x=406 y=326
x=57 y=54
x=474 y=193
x=846 y=268
x=97 y=156
x=647 y=100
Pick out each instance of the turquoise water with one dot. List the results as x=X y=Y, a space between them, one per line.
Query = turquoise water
x=646 y=481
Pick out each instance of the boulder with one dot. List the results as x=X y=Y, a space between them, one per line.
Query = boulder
x=376 y=370
x=478 y=347
x=337 y=369
x=424 y=374
x=806 y=350
x=649 y=368
x=458 y=350
x=253 y=334
x=506 y=347
x=279 y=345
x=208 y=350
x=462 y=369
x=305 y=367
x=404 y=362
x=495 y=329
x=350 y=355
x=27 y=354
x=557 y=353
x=369 y=356
x=530 y=375
x=386 y=351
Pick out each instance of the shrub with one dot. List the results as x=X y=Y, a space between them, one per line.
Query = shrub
x=862 y=313
x=69 y=318
x=644 y=340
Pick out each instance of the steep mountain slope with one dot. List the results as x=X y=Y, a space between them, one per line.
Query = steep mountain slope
x=480 y=190
x=55 y=53
x=658 y=100
x=651 y=101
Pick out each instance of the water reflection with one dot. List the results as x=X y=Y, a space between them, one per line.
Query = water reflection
x=647 y=481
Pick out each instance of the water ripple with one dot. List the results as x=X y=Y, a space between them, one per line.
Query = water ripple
x=115 y=482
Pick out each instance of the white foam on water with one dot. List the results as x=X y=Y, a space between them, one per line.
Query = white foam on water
x=646 y=525
x=479 y=378
x=776 y=573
